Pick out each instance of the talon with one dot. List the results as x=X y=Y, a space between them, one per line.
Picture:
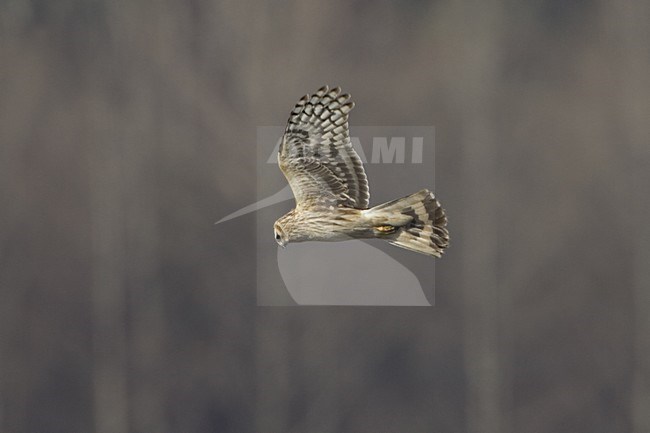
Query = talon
x=385 y=230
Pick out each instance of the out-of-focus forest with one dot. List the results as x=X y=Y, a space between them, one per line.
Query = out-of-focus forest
x=128 y=127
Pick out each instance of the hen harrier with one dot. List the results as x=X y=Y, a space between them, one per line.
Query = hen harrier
x=331 y=188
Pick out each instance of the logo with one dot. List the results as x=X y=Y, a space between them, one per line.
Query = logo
x=398 y=161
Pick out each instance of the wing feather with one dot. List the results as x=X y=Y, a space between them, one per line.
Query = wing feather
x=316 y=153
x=313 y=183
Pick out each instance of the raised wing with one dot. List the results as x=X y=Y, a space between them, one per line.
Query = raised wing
x=316 y=153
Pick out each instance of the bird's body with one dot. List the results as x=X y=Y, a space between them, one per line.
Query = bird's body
x=331 y=187
x=323 y=223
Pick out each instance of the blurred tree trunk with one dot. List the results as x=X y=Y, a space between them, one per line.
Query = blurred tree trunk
x=21 y=95
x=273 y=373
x=484 y=355
x=641 y=376
x=627 y=22
x=145 y=290
x=139 y=132
x=109 y=272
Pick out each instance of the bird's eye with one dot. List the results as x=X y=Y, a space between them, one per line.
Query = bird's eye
x=277 y=236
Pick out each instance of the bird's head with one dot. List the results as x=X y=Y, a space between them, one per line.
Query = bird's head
x=281 y=236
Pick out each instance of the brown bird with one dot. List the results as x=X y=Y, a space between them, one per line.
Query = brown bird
x=331 y=187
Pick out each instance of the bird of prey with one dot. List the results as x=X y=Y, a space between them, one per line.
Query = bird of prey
x=330 y=186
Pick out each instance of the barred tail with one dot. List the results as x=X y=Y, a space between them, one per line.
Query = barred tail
x=419 y=221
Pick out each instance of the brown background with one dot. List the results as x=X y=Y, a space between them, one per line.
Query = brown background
x=128 y=127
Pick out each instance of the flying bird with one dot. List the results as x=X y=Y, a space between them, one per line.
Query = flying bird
x=330 y=186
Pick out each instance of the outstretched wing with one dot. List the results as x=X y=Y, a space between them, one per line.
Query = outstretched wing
x=316 y=154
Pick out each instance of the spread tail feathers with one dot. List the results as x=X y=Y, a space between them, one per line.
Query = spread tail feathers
x=420 y=222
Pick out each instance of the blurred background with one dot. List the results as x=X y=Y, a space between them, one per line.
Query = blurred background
x=128 y=127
